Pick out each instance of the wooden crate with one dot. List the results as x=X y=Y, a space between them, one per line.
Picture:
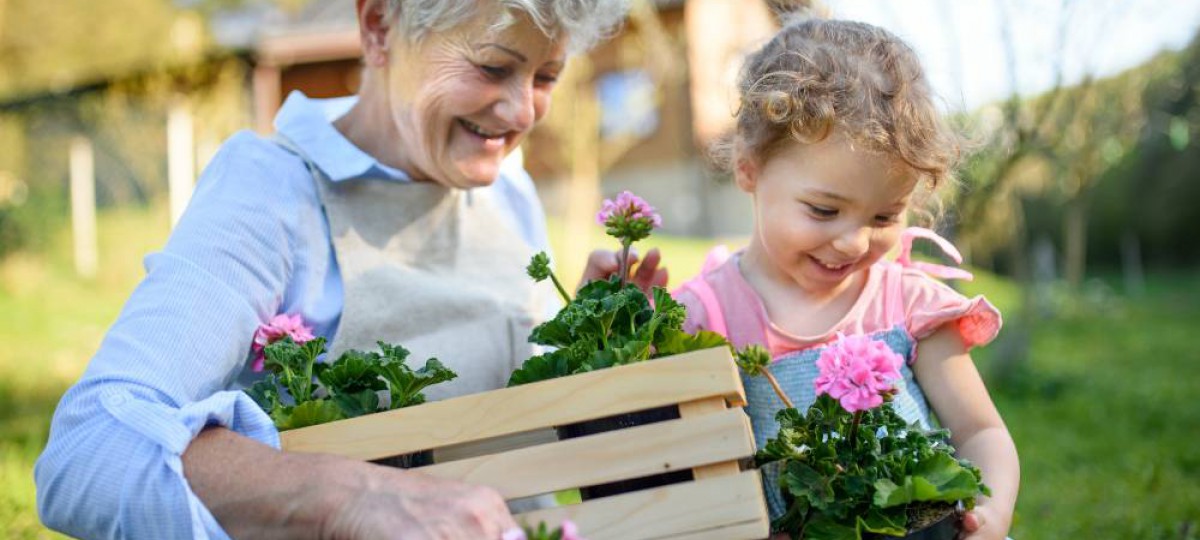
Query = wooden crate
x=504 y=438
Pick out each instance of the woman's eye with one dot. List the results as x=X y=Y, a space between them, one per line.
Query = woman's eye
x=546 y=79
x=494 y=72
x=886 y=219
x=821 y=212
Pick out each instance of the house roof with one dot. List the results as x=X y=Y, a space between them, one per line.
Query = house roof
x=321 y=30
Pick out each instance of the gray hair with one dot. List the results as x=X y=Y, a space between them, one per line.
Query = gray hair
x=582 y=22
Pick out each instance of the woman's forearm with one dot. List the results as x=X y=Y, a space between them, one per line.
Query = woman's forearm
x=255 y=491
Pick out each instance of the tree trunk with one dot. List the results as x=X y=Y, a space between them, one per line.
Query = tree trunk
x=1075 y=241
x=1012 y=349
x=1131 y=264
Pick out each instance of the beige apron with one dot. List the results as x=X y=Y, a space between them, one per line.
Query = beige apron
x=434 y=269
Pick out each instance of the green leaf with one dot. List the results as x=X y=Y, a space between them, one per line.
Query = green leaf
x=894 y=523
x=309 y=413
x=351 y=383
x=352 y=373
x=607 y=324
x=294 y=365
x=672 y=341
x=556 y=363
x=938 y=478
x=357 y=403
x=553 y=333
x=823 y=528
x=405 y=384
x=266 y=393
x=753 y=359
x=803 y=481
x=669 y=312
x=630 y=352
x=598 y=289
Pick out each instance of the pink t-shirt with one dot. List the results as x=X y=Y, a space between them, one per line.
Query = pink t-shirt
x=893 y=295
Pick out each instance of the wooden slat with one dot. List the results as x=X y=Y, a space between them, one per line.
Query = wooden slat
x=690 y=507
x=645 y=385
x=754 y=529
x=705 y=406
x=607 y=457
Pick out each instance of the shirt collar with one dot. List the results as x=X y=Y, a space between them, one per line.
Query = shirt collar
x=308 y=123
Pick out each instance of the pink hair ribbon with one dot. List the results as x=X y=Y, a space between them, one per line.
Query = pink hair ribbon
x=935 y=270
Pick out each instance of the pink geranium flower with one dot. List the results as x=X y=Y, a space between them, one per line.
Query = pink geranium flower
x=858 y=372
x=627 y=218
x=629 y=207
x=279 y=327
x=570 y=531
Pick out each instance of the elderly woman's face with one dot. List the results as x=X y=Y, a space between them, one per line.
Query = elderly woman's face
x=463 y=99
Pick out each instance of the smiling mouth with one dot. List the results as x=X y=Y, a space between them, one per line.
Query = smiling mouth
x=478 y=130
x=831 y=267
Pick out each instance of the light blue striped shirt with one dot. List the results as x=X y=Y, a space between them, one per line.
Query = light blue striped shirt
x=252 y=243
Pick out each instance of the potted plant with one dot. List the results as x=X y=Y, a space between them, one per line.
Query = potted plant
x=611 y=323
x=354 y=384
x=849 y=466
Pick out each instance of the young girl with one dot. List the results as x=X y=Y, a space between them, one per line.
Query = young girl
x=837 y=142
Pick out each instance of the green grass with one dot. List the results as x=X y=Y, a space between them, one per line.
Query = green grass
x=51 y=322
x=1103 y=412
x=1105 y=418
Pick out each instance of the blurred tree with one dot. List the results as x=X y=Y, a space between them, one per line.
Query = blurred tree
x=1163 y=182
x=108 y=71
x=54 y=46
x=1051 y=147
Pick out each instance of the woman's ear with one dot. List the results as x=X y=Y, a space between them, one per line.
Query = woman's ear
x=373 y=28
x=745 y=173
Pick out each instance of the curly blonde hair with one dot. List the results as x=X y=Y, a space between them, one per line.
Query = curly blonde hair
x=818 y=76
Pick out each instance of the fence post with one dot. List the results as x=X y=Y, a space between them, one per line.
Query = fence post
x=181 y=157
x=83 y=206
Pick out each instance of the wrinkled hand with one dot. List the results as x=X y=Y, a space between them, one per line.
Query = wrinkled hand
x=601 y=264
x=982 y=523
x=393 y=503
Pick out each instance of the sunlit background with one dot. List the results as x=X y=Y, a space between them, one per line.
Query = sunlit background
x=1078 y=210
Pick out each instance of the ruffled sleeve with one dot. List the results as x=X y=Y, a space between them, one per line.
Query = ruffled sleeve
x=930 y=304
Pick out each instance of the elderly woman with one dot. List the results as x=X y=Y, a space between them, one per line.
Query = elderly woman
x=389 y=216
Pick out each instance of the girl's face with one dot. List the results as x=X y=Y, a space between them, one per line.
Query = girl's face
x=462 y=99
x=824 y=212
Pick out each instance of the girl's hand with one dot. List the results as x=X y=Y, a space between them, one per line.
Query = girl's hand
x=983 y=523
x=602 y=263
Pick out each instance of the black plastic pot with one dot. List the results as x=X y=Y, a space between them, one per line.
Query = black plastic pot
x=622 y=421
x=946 y=528
x=407 y=461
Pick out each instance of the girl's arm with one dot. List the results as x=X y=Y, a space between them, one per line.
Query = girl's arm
x=956 y=392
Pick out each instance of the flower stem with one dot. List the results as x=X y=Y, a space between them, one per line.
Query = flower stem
x=854 y=427
x=778 y=389
x=624 y=266
x=561 y=290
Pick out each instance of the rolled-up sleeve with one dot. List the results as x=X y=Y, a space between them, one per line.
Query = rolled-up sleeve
x=112 y=465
